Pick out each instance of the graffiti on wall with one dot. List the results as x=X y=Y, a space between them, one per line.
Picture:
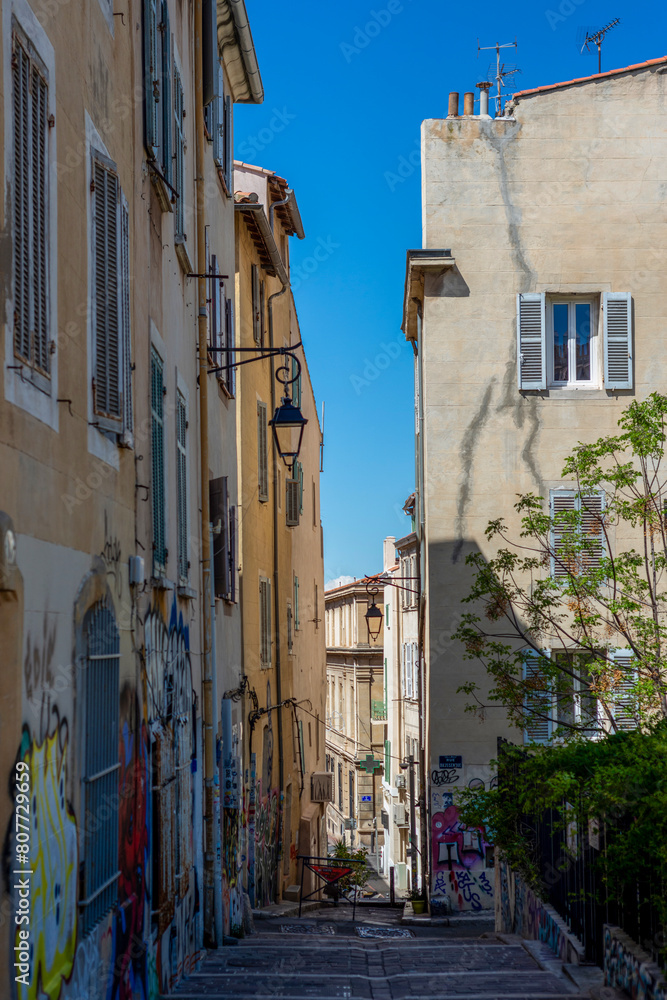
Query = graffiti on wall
x=460 y=873
x=629 y=968
x=54 y=861
x=524 y=914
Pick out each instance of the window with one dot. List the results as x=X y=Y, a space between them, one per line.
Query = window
x=30 y=195
x=297 y=474
x=296 y=384
x=158 y=118
x=409 y=669
x=291 y=502
x=179 y=166
x=111 y=335
x=182 y=487
x=578 y=541
x=625 y=701
x=223 y=518
x=290 y=633
x=317 y=608
x=314 y=505
x=99 y=786
x=264 y=623
x=557 y=341
x=157 y=464
x=350 y=788
x=262 y=453
x=256 y=313
x=387 y=761
x=340 y=786
x=219 y=124
x=296 y=602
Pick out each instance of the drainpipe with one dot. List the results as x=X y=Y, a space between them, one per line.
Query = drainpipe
x=208 y=714
x=276 y=590
x=272 y=207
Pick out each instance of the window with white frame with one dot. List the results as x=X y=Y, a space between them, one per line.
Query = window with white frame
x=111 y=335
x=561 y=342
x=30 y=103
x=410 y=665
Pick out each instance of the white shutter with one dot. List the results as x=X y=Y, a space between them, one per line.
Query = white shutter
x=538 y=702
x=617 y=312
x=562 y=501
x=107 y=370
x=624 y=705
x=126 y=332
x=591 y=512
x=531 y=341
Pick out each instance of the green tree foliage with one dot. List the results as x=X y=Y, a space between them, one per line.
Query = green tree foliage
x=555 y=606
x=358 y=860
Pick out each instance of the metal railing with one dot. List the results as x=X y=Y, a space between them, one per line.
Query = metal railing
x=571 y=857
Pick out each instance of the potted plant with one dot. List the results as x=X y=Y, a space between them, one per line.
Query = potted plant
x=418 y=901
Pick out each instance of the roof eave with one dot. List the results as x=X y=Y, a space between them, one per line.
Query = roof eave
x=256 y=209
x=418 y=264
x=237 y=51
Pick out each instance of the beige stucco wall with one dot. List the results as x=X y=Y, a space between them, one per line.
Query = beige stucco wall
x=566 y=196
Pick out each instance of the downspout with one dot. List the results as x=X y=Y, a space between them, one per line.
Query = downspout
x=276 y=593
x=425 y=810
x=272 y=207
x=207 y=675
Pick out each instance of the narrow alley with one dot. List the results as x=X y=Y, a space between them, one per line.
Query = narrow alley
x=326 y=954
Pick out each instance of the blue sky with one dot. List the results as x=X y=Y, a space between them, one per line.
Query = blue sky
x=347 y=86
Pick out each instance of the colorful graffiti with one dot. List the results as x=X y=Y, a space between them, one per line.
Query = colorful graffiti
x=232 y=893
x=461 y=879
x=266 y=846
x=54 y=860
x=129 y=974
x=524 y=914
x=628 y=967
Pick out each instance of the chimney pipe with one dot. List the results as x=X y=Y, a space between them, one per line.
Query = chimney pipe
x=484 y=89
x=469 y=103
x=454 y=104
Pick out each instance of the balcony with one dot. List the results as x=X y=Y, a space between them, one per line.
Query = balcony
x=378 y=711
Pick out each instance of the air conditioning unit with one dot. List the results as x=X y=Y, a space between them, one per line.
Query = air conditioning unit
x=399 y=815
x=400 y=781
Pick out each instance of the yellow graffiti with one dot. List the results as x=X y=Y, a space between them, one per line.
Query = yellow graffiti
x=53 y=861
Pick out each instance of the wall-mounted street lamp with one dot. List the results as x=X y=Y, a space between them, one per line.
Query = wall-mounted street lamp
x=374 y=615
x=288 y=422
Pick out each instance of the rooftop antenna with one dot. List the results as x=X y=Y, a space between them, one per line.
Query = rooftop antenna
x=501 y=70
x=596 y=39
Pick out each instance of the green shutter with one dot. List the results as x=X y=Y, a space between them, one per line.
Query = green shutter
x=179 y=159
x=182 y=487
x=125 y=313
x=387 y=761
x=296 y=601
x=165 y=94
x=157 y=463
x=106 y=322
x=151 y=78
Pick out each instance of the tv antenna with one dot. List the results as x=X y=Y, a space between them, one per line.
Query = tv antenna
x=596 y=39
x=502 y=71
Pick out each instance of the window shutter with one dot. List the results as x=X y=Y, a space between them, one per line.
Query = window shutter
x=591 y=512
x=262 y=310
x=179 y=159
x=562 y=501
x=39 y=229
x=232 y=554
x=265 y=622
x=617 y=313
x=298 y=469
x=219 y=138
x=262 y=452
x=219 y=499
x=165 y=93
x=563 y=536
x=531 y=341
x=538 y=699
x=228 y=143
x=291 y=502
x=151 y=77
x=230 y=374
x=296 y=601
x=624 y=700
x=21 y=90
x=126 y=331
x=210 y=51
x=107 y=377
x=182 y=487
x=256 y=326
x=157 y=462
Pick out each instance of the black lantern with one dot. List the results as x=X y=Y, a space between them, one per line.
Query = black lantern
x=288 y=424
x=373 y=620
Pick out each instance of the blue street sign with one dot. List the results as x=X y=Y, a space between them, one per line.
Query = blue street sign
x=365 y=798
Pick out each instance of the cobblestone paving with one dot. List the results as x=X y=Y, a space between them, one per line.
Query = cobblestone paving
x=435 y=963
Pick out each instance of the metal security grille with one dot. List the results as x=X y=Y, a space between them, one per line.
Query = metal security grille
x=157 y=462
x=182 y=486
x=100 y=755
x=30 y=236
